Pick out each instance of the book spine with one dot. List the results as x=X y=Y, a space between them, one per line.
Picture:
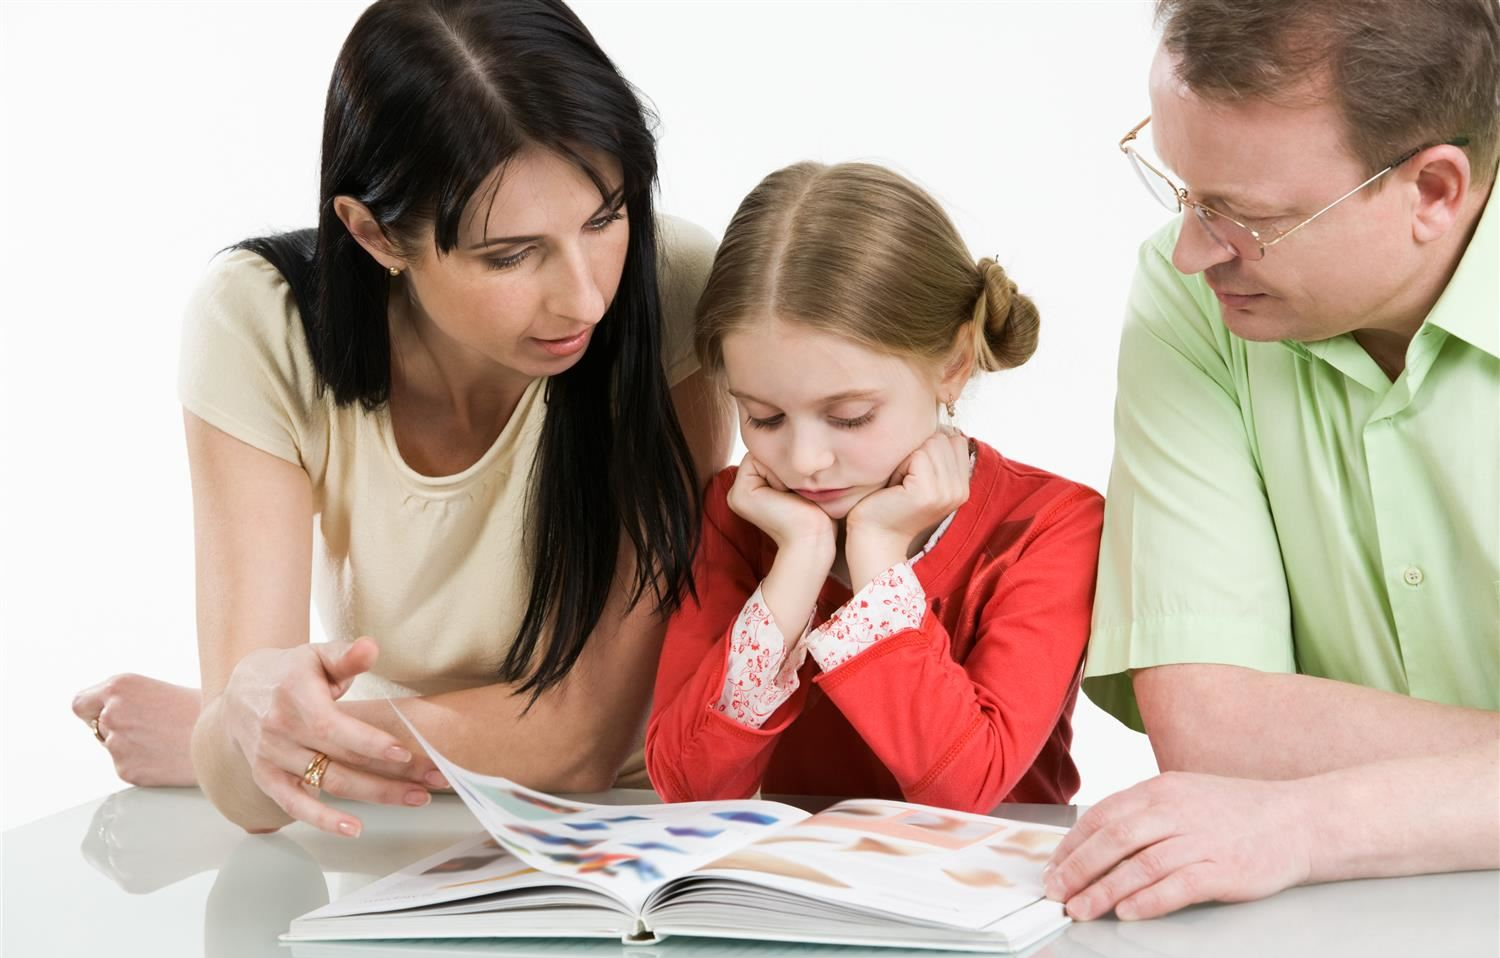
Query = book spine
x=641 y=935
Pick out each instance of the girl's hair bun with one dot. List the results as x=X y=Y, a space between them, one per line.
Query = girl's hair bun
x=1005 y=322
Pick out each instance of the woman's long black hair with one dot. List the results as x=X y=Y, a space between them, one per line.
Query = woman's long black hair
x=428 y=97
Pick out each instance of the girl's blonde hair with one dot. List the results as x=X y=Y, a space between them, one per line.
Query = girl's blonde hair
x=861 y=252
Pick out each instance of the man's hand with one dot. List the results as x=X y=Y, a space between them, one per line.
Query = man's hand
x=1179 y=839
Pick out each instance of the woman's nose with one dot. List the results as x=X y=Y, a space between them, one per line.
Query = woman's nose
x=573 y=291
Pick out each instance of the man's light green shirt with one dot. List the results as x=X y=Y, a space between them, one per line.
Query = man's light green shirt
x=1286 y=507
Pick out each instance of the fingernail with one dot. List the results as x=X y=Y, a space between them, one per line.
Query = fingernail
x=397 y=754
x=1048 y=869
x=417 y=798
x=435 y=779
x=350 y=828
x=1053 y=889
x=1125 y=911
x=1079 y=909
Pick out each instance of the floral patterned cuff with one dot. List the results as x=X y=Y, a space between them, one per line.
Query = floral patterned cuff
x=760 y=675
x=892 y=602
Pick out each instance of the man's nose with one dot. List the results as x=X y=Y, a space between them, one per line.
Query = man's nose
x=1196 y=249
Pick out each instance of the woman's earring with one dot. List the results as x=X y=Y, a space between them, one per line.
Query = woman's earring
x=951 y=407
x=394 y=270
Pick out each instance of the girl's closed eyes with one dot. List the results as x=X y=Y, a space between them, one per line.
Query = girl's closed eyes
x=851 y=422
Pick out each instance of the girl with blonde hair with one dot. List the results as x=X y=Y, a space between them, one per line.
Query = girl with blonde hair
x=884 y=607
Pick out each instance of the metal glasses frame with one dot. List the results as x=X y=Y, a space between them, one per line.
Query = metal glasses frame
x=1264 y=239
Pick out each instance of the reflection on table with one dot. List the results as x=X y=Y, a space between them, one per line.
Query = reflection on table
x=157 y=872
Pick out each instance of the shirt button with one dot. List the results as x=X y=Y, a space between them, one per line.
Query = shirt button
x=1412 y=576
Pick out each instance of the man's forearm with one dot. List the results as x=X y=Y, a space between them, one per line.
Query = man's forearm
x=1226 y=720
x=1406 y=816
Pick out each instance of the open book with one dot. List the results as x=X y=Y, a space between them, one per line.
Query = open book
x=862 y=872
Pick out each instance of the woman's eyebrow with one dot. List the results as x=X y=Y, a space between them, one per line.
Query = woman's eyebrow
x=504 y=241
x=612 y=201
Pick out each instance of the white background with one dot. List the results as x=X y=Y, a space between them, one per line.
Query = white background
x=140 y=138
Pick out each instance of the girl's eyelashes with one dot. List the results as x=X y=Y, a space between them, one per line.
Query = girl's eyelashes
x=771 y=422
x=854 y=423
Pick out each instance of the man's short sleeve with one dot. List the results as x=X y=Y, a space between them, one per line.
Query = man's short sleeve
x=1190 y=567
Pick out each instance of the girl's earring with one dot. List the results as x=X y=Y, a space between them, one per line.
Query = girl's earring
x=394 y=271
x=951 y=408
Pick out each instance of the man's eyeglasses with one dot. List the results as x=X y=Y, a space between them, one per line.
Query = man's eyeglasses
x=1241 y=240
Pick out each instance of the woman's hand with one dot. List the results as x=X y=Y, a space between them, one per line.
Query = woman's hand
x=930 y=484
x=790 y=520
x=147 y=726
x=279 y=710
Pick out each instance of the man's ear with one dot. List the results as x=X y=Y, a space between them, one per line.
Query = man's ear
x=366 y=231
x=1442 y=177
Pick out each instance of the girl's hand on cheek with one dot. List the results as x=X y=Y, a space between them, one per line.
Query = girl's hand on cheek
x=805 y=544
x=791 y=521
x=930 y=484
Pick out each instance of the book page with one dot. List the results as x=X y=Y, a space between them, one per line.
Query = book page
x=476 y=866
x=929 y=864
x=626 y=850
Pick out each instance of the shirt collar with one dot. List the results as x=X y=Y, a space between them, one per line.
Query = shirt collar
x=1469 y=307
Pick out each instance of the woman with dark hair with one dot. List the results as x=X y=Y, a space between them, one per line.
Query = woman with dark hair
x=462 y=414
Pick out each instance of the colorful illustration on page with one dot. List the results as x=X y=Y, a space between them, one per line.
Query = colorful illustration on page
x=628 y=848
x=927 y=826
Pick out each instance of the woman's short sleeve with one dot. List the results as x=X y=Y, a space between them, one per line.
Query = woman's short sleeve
x=685 y=254
x=244 y=367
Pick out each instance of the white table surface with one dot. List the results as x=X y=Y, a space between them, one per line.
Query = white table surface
x=156 y=872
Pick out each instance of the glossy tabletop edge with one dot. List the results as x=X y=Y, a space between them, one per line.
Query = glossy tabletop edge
x=157 y=872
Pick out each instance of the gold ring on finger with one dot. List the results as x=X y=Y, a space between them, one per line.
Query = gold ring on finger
x=313 y=775
x=94 y=724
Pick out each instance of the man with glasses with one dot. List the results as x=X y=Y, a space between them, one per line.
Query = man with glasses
x=1299 y=584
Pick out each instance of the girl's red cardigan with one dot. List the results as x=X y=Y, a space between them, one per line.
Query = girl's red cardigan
x=970 y=710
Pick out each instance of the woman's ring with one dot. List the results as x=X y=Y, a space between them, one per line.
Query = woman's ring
x=94 y=724
x=313 y=776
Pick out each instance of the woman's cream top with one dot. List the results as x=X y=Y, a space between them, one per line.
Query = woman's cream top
x=434 y=568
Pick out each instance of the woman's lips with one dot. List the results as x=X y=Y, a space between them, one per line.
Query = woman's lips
x=821 y=495
x=567 y=346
